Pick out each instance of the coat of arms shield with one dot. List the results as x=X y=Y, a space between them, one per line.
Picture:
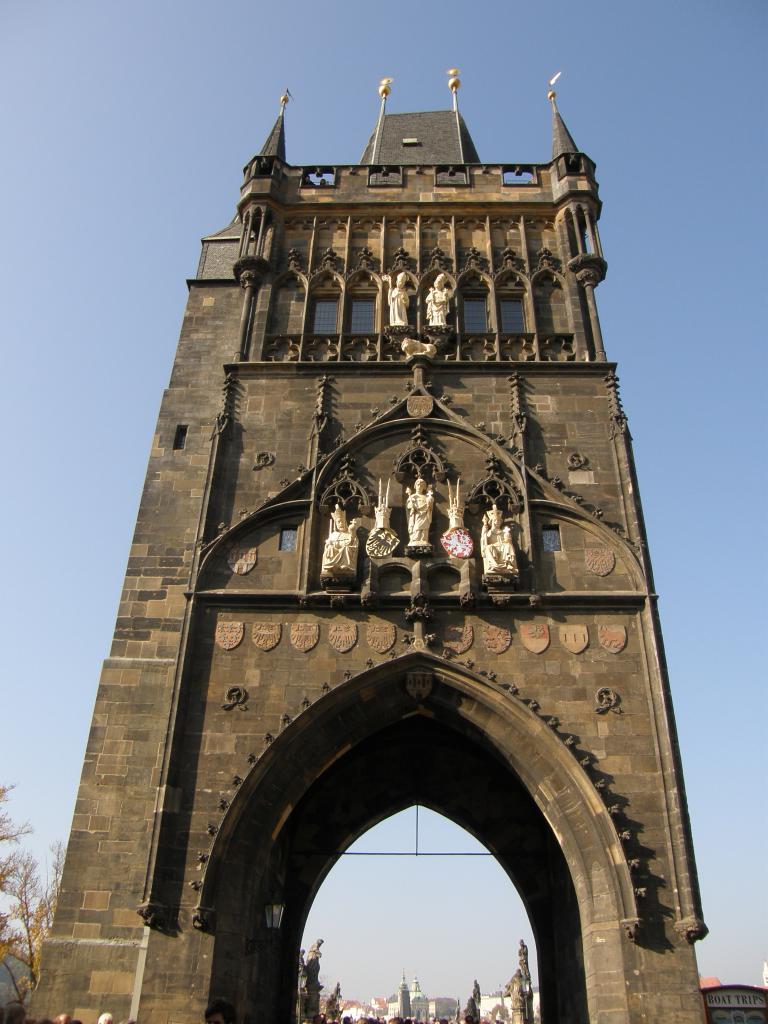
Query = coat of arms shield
x=241 y=559
x=574 y=638
x=229 y=634
x=600 y=561
x=457 y=542
x=535 y=636
x=612 y=638
x=458 y=638
x=419 y=684
x=342 y=636
x=266 y=635
x=381 y=542
x=419 y=406
x=497 y=639
x=304 y=636
x=381 y=636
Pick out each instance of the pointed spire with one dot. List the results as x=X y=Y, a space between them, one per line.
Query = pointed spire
x=275 y=144
x=562 y=140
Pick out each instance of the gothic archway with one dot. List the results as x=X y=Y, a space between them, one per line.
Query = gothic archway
x=370 y=748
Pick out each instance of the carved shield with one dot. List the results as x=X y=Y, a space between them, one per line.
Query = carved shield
x=419 y=684
x=381 y=636
x=600 y=561
x=229 y=634
x=419 y=406
x=304 y=635
x=457 y=542
x=612 y=638
x=241 y=559
x=266 y=635
x=342 y=636
x=574 y=638
x=381 y=542
x=497 y=639
x=535 y=636
x=458 y=638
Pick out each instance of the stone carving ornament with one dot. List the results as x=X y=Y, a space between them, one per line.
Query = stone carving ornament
x=381 y=636
x=241 y=559
x=382 y=540
x=342 y=636
x=612 y=638
x=599 y=561
x=419 y=505
x=229 y=634
x=574 y=638
x=398 y=299
x=419 y=406
x=266 y=635
x=304 y=636
x=535 y=636
x=497 y=639
x=458 y=638
x=340 y=550
x=456 y=540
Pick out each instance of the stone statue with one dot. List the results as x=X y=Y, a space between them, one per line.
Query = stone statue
x=438 y=302
x=523 y=958
x=382 y=540
x=340 y=551
x=398 y=300
x=476 y=994
x=456 y=540
x=333 y=1004
x=496 y=547
x=418 y=506
x=309 y=985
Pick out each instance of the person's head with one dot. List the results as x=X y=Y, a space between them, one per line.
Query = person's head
x=220 y=1011
x=63 y=1018
x=105 y=1018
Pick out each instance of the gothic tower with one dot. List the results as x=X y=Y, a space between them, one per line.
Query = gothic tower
x=390 y=551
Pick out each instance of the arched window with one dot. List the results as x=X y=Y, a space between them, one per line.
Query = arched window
x=474 y=307
x=324 y=309
x=361 y=305
x=510 y=296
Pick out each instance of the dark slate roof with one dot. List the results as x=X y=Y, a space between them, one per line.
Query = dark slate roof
x=562 y=140
x=275 y=144
x=438 y=140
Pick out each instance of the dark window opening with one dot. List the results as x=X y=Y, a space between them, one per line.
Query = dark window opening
x=475 y=316
x=512 y=318
x=550 y=538
x=288 y=538
x=180 y=437
x=361 y=320
x=518 y=176
x=325 y=316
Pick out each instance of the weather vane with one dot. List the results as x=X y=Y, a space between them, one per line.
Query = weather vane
x=551 y=94
x=453 y=84
x=285 y=97
x=384 y=87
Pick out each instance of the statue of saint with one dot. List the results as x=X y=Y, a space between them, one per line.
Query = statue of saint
x=496 y=545
x=398 y=300
x=418 y=507
x=438 y=301
x=312 y=965
x=340 y=551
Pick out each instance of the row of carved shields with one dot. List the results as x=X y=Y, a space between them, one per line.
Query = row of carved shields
x=381 y=636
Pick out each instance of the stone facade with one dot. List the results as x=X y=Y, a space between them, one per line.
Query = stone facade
x=253 y=719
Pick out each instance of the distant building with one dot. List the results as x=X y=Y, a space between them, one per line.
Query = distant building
x=412 y=1002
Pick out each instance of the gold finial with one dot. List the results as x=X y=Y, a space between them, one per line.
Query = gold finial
x=453 y=79
x=552 y=94
x=384 y=87
x=284 y=98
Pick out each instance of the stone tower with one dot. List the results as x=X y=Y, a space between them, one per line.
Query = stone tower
x=390 y=551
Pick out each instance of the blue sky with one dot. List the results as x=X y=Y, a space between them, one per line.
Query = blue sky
x=126 y=128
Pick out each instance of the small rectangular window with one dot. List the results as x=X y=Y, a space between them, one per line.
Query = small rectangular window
x=325 y=317
x=512 y=319
x=475 y=316
x=180 y=437
x=550 y=538
x=288 y=538
x=362 y=316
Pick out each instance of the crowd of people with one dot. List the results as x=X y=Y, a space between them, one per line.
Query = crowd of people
x=15 y=1013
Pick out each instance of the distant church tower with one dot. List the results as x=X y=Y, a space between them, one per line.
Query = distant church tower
x=390 y=550
x=403 y=999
